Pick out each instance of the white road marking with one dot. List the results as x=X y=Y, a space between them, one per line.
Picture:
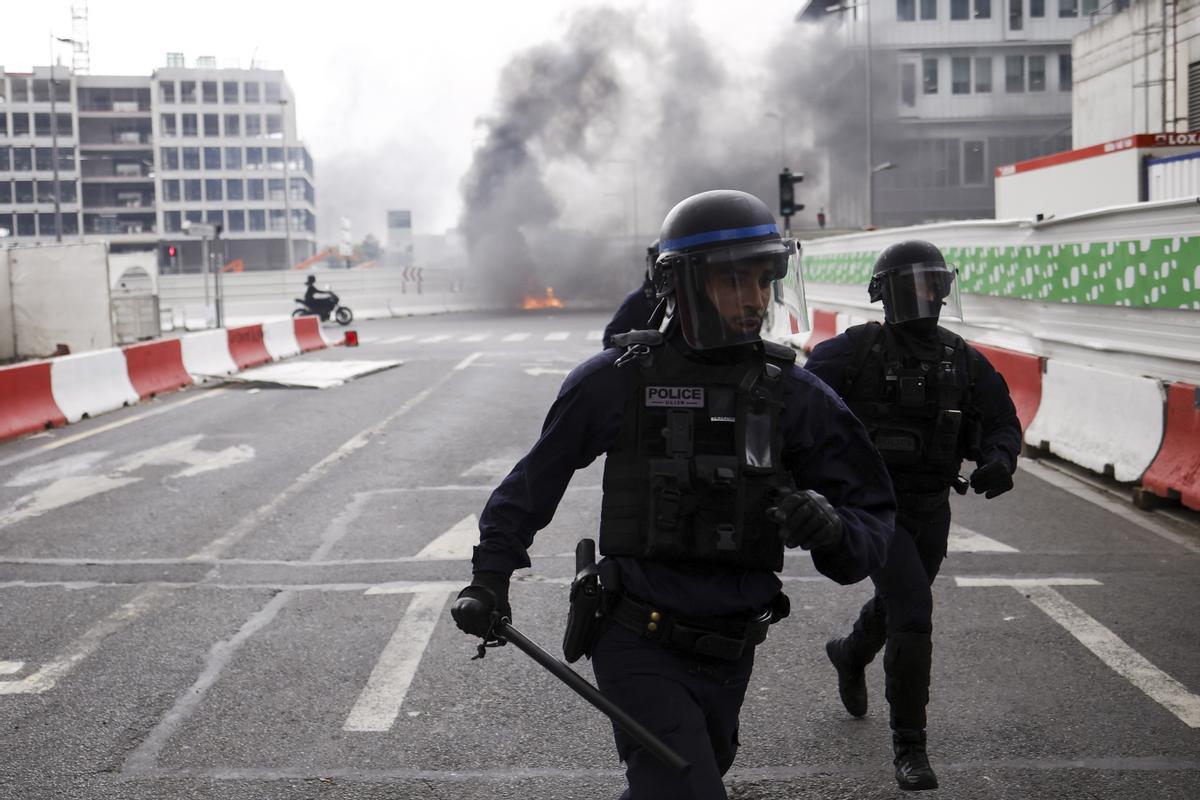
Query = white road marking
x=183 y=451
x=454 y=543
x=11 y=667
x=51 y=673
x=492 y=467
x=475 y=337
x=515 y=337
x=558 y=336
x=538 y=371
x=468 y=361
x=398 y=339
x=434 y=339
x=1103 y=643
x=62 y=492
x=65 y=467
x=413 y=587
x=595 y=336
x=965 y=540
x=379 y=703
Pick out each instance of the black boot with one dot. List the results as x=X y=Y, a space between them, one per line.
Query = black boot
x=913 y=772
x=852 y=681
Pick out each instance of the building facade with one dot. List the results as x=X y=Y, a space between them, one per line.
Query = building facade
x=958 y=88
x=140 y=158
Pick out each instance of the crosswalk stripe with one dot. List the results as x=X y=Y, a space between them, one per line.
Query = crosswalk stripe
x=515 y=337
x=431 y=339
x=398 y=339
x=557 y=336
x=476 y=337
x=965 y=540
x=595 y=336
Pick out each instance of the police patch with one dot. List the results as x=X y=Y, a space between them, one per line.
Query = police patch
x=675 y=396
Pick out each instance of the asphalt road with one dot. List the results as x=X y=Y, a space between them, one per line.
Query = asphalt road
x=242 y=591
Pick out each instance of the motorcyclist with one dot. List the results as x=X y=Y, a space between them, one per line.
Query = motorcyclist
x=318 y=301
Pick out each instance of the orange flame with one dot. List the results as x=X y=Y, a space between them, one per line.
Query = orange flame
x=549 y=301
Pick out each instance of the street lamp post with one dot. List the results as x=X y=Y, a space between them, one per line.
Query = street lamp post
x=287 y=184
x=54 y=135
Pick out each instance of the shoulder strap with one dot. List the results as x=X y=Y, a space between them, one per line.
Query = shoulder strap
x=779 y=352
x=864 y=338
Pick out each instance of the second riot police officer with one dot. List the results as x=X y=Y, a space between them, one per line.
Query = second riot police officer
x=720 y=452
x=929 y=399
x=638 y=307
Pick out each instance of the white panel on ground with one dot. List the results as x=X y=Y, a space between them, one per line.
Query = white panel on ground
x=313 y=374
x=455 y=543
x=379 y=702
x=965 y=540
x=558 y=336
x=515 y=337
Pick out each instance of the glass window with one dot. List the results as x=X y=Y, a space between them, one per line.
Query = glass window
x=20 y=90
x=172 y=222
x=271 y=92
x=65 y=125
x=41 y=124
x=169 y=158
x=274 y=125
x=166 y=91
x=233 y=189
x=212 y=124
x=1014 y=74
x=233 y=158
x=253 y=125
x=189 y=124
x=5 y=158
x=275 y=189
x=171 y=191
x=24 y=191
x=230 y=91
x=974 y=169
x=25 y=225
x=960 y=9
x=254 y=158
x=1068 y=8
x=1090 y=7
x=194 y=216
x=41 y=90
x=166 y=124
x=66 y=159
x=215 y=216
x=3 y=118
x=5 y=196
x=187 y=91
x=983 y=75
x=191 y=158
x=22 y=159
x=6 y=222
x=233 y=125
x=960 y=75
x=277 y=219
x=209 y=91
x=20 y=124
x=929 y=73
x=1037 y=73
x=214 y=189
x=928 y=9
x=983 y=9
x=212 y=158
x=237 y=221
x=908 y=84
x=1016 y=15
x=258 y=220
x=191 y=191
x=1064 y=72
x=45 y=191
x=254 y=189
x=251 y=91
x=1037 y=9
x=44 y=159
x=274 y=158
x=906 y=10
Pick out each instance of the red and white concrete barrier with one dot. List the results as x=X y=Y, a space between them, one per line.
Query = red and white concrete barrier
x=309 y=335
x=1023 y=374
x=1175 y=471
x=88 y=384
x=824 y=326
x=206 y=354
x=246 y=346
x=157 y=367
x=26 y=400
x=279 y=338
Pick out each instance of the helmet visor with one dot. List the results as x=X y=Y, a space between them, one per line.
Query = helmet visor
x=918 y=291
x=723 y=294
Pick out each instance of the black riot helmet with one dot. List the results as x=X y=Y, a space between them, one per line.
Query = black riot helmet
x=914 y=282
x=311 y=279
x=651 y=257
x=719 y=251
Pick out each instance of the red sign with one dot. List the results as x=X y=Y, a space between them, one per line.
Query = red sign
x=1142 y=140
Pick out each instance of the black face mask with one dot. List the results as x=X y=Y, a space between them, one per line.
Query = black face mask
x=917 y=337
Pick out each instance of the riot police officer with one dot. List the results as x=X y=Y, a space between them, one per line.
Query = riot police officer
x=720 y=452
x=928 y=399
x=638 y=307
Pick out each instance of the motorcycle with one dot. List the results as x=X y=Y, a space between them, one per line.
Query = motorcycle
x=339 y=312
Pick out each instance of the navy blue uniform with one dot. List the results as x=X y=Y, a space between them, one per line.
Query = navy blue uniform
x=901 y=612
x=692 y=704
x=635 y=310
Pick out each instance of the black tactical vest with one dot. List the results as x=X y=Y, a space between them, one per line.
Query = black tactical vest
x=698 y=460
x=918 y=412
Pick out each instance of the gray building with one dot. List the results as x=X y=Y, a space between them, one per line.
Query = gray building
x=138 y=157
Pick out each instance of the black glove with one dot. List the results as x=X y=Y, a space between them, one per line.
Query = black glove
x=807 y=520
x=992 y=478
x=472 y=610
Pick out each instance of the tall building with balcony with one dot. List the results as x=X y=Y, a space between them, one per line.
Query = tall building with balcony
x=958 y=88
x=141 y=158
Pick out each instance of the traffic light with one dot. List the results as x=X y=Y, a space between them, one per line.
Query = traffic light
x=171 y=251
x=787 y=193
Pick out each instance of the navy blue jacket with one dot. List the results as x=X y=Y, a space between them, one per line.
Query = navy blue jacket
x=633 y=314
x=825 y=447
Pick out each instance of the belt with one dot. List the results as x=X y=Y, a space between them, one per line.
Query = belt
x=726 y=639
x=924 y=501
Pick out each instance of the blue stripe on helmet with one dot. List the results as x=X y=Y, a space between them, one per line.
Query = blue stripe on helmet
x=718 y=236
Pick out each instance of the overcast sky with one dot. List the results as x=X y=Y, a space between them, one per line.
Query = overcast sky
x=403 y=82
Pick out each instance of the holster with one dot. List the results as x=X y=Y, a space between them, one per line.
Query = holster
x=586 y=598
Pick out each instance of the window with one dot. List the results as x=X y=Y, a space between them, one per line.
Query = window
x=960 y=9
x=6 y=222
x=212 y=125
x=1016 y=15
x=187 y=91
x=65 y=127
x=275 y=189
x=258 y=220
x=254 y=158
x=66 y=159
x=5 y=158
x=166 y=91
x=277 y=220
x=41 y=125
x=271 y=92
x=1090 y=7
x=253 y=125
x=189 y=124
x=237 y=220
x=1064 y=72
x=208 y=91
x=251 y=91
x=983 y=75
x=20 y=124
x=26 y=225
x=974 y=169
x=233 y=125
x=1037 y=9
x=166 y=124
x=5 y=196
x=171 y=191
x=1193 y=96
x=22 y=159
x=20 y=90
x=274 y=158
x=928 y=9
x=171 y=222
x=213 y=190
x=906 y=10
x=45 y=191
x=169 y=158
x=191 y=158
x=254 y=189
x=43 y=159
x=983 y=9
x=24 y=191
x=233 y=189
x=233 y=158
x=41 y=90
x=194 y=216
x=3 y=122
x=929 y=73
x=1037 y=73
x=274 y=125
x=960 y=75
x=1068 y=8
x=230 y=91
x=191 y=191
x=212 y=158
x=215 y=216
x=1014 y=73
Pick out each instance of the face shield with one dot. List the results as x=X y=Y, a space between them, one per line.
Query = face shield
x=722 y=295
x=917 y=291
